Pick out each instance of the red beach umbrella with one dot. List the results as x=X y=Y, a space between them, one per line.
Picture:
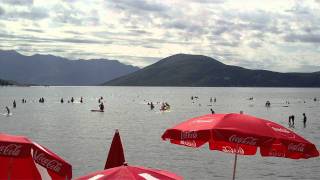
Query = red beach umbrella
x=117 y=169
x=131 y=173
x=20 y=158
x=116 y=154
x=241 y=134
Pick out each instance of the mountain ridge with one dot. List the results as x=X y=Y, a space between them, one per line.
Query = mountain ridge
x=199 y=70
x=55 y=70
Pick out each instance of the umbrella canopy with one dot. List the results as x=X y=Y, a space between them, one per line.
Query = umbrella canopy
x=20 y=158
x=241 y=134
x=116 y=154
x=131 y=173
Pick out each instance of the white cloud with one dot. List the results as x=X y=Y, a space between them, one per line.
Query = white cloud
x=282 y=35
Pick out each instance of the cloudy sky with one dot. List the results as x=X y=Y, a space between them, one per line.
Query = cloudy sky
x=278 y=35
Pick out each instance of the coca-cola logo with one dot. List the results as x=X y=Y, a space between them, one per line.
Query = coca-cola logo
x=277 y=154
x=296 y=147
x=243 y=140
x=281 y=130
x=229 y=149
x=189 y=135
x=189 y=143
x=10 y=150
x=52 y=164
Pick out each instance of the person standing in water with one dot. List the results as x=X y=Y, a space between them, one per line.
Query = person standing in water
x=292 y=121
x=72 y=99
x=81 y=99
x=8 y=110
x=304 y=120
x=289 y=122
x=14 y=104
x=61 y=100
x=100 y=99
x=101 y=106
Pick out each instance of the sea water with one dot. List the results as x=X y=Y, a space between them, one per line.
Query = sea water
x=83 y=138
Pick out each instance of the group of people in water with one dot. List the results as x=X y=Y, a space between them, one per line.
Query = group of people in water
x=42 y=100
x=71 y=100
x=164 y=106
x=291 y=120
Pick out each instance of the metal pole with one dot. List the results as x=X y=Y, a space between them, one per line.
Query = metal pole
x=235 y=163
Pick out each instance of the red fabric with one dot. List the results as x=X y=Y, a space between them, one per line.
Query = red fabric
x=116 y=154
x=15 y=168
x=131 y=172
x=241 y=133
x=19 y=158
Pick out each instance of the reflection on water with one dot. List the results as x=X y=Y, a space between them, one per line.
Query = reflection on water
x=83 y=137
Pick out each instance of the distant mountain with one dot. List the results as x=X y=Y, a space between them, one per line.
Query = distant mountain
x=198 y=70
x=53 y=70
x=6 y=83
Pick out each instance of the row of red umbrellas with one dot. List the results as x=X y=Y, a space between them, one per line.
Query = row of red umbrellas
x=238 y=134
x=20 y=158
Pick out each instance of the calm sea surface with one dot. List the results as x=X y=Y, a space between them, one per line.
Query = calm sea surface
x=83 y=138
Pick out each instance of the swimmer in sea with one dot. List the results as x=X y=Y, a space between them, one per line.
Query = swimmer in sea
x=8 y=110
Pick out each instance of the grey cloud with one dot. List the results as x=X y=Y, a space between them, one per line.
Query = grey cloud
x=125 y=36
x=68 y=14
x=129 y=38
x=187 y=29
x=299 y=9
x=1 y=11
x=221 y=26
x=262 y=21
x=255 y=17
x=139 y=32
x=82 y=41
x=18 y=2
x=33 y=13
x=139 y=12
x=220 y=41
x=139 y=5
x=33 y=30
x=72 y=32
x=176 y=25
x=307 y=68
x=307 y=38
x=254 y=44
x=261 y=64
x=34 y=39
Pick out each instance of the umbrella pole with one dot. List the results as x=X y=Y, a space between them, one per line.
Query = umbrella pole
x=235 y=163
